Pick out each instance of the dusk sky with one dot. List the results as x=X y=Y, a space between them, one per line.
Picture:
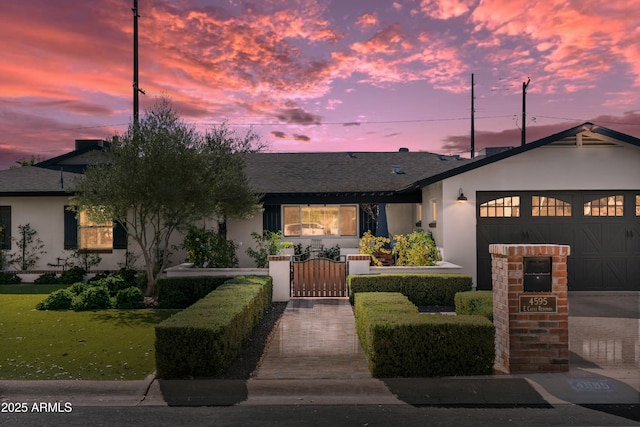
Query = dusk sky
x=319 y=75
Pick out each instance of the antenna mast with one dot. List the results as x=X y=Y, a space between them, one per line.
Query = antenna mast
x=525 y=85
x=473 y=110
x=136 y=88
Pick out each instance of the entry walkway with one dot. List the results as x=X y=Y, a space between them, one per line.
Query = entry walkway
x=315 y=357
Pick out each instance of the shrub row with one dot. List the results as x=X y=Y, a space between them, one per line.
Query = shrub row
x=204 y=339
x=421 y=289
x=100 y=294
x=178 y=293
x=7 y=278
x=400 y=342
x=478 y=302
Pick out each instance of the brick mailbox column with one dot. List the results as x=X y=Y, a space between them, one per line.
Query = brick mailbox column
x=530 y=310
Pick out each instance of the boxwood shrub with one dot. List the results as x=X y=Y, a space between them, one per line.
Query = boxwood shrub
x=204 y=339
x=92 y=298
x=421 y=289
x=57 y=300
x=400 y=342
x=478 y=302
x=177 y=293
x=129 y=298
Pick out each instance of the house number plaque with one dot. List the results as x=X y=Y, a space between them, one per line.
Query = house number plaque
x=537 y=303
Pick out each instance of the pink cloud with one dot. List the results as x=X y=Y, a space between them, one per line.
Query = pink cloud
x=367 y=20
x=446 y=9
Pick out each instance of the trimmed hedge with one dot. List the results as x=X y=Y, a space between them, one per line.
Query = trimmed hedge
x=204 y=339
x=400 y=342
x=421 y=289
x=478 y=302
x=177 y=293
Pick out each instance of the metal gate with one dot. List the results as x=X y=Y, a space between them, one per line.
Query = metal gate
x=319 y=277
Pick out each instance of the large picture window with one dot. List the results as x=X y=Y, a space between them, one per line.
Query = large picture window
x=331 y=220
x=95 y=235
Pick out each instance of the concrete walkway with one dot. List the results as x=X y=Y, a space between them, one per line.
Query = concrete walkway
x=315 y=357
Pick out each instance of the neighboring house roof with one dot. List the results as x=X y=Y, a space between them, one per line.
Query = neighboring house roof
x=35 y=181
x=343 y=172
x=584 y=134
x=76 y=160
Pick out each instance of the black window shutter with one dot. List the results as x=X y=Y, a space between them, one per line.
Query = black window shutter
x=5 y=224
x=70 y=229
x=271 y=218
x=119 y=236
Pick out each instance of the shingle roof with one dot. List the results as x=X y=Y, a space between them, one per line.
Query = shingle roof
x=35 y=181
x=343 y=172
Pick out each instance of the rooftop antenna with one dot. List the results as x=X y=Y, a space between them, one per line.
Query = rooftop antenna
x=525 y=85
x=136 y=88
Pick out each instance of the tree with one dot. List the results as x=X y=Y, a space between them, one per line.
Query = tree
x=35 y=158
x=162 y=175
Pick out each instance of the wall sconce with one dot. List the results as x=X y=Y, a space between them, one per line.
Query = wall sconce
x=461 y=197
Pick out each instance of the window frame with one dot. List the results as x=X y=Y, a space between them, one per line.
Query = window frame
x=311 y=222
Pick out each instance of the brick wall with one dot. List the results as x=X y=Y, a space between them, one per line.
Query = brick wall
x=525 y=341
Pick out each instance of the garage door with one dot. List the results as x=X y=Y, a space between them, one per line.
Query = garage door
x=602 y=228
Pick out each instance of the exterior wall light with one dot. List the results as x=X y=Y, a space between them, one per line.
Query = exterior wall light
x=461 y=197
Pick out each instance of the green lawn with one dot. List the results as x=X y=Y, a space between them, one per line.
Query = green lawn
x=63 y=345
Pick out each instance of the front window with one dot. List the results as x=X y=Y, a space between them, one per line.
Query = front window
x=333 y=220
x=95 y=234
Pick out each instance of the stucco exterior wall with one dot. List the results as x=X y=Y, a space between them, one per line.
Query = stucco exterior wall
x=545 y=168
x=45 y=215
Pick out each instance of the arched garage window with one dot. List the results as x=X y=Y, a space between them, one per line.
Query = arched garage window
x=503 y=207
x=549 y=206
x=605 y=206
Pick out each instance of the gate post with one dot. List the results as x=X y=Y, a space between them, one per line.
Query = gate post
x=530 y=309
x=358 y=263
x=280 y=272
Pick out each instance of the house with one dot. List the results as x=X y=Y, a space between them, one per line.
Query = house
x=579 y=187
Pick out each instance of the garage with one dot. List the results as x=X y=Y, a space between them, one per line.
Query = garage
x=602 y=227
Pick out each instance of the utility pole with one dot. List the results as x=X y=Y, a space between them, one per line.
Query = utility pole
x=525 y=85
x=473 y=125
x=136 y=88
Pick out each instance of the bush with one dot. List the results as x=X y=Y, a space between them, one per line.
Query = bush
x=112 y=283
x=421 y=289
x=78 y=288
x=9 y=278
x=478 y=302
x=206 y=248
x=46 y=279
x=129 y=275
x=416 y=249
x=204 y=339
x=129 y=298
x=181 y=293
x=400 y=342
x=374 y=245
x=57 y=300
x=72 y=275
x=92 y=298
x=97 y=277
x=267 y=243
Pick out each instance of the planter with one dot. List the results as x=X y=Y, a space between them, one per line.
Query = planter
x=188 y=270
